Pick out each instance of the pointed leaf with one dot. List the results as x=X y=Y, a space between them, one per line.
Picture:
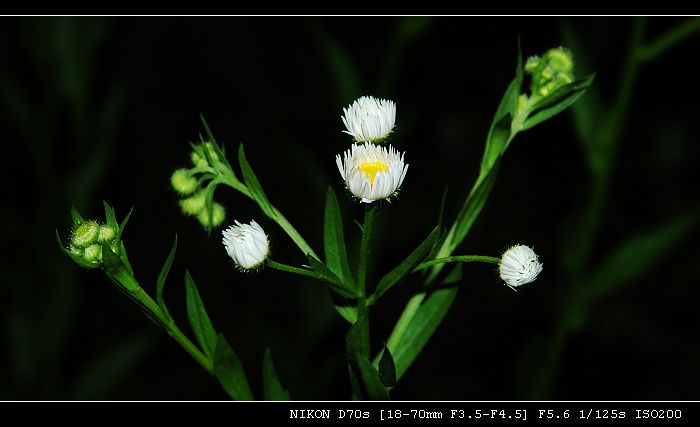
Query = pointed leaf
x=334 y=239
x=251 y=181
x=558 y=101
x=499 y=133
x=123 y=224
x=162 y=277
x=428 y=317
x=387 y=368
x=406 y=265
x=272 y=386
x=199 y=320
x=329 y=277
x=75 y=216
x=110 y=217
x=473 y=205
x=229 y=371
x=369 y=385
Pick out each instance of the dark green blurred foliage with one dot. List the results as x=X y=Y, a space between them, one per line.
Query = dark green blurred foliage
x=103 y=108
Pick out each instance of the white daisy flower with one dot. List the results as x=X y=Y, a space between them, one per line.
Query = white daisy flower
x=519 y=266
x=372 y=172
x=369 y=119
x=246 y=244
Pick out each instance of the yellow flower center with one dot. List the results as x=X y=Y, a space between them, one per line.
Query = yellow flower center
x=371 y=169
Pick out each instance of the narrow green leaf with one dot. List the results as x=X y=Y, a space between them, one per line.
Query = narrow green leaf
x=425 y=322
x=229 y=371
x=387 y=368
x=473 y=205
x=272 y=386
x=210 y=135
x=406 y=265
x=638 y=255
x=123 y=224
x=441 y=213
x=329 y=277
x=370 y=385
x=75 y=216
x=251 y=181
x=162 y=277
x=199 y=320
x=346 y=307
x=558 y=101
x=334 y=239
x=110 y=216
x=499 y=133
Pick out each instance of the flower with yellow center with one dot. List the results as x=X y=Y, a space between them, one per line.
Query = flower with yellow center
x=372 y=172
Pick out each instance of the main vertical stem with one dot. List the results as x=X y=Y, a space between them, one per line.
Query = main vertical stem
x=363 y=307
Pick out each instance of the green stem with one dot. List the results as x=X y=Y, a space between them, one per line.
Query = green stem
x=167 y=323
x=291 y=269
x=662 y=44
x=367 y=230
x=460 y=258
x=274 y=214
x=363 y=306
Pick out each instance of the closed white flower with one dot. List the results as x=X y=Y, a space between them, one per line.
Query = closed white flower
x=369 y=119
x=246 y=244
x=519 y=266
x=372 y=172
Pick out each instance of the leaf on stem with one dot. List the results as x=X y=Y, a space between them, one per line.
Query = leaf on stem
x=272 y=386
x=387 y=368
x=325 y=274
x=251 y=181
x=75 y=216
x=558 y=101
x=334 y=239
x=162 y=277
x=499 y=133
x=425 y=322
x=199 y=320
x=406 y=265
x=228 y=369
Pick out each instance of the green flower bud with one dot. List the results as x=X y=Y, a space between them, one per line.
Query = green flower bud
x=183 y=182
x=561 y=60
x=198 y=161
x=85 y=234
x=194 y=204
x=550 y=72
x=106 y=234
x=93 y=253
x=201 y=161
x=532 y=63
x=75 y=250
x=217 y=218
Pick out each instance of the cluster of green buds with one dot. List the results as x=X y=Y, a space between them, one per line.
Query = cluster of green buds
x=550 y=72
x=88 y=238
x=188 y=185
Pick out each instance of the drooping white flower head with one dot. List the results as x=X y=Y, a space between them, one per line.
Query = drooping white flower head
x=246 y=244
x=372 y=172
x=369 y=119
x=519 y=266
